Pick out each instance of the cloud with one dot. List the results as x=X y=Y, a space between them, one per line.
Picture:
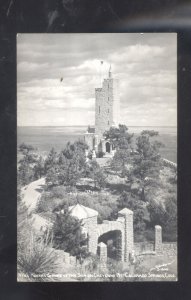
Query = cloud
x=145 y=65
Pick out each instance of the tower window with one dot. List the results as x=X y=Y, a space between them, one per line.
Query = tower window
x=108 y=123
x=108 y=98
x=99 y=109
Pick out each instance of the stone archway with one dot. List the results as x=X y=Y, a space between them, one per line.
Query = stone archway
x=108 y=147
x=113 y=240
x=123 y=224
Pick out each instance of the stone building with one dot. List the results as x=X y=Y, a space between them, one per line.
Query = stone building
x=122 y=228
x=107 y=114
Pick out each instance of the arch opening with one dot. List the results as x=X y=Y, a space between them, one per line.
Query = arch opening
x=113 y=240
x=108 y=147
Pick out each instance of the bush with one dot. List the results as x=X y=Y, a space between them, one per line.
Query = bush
x=100 y=154
x=36 y=258
x=57 y=197
x=68 y=236
x=165 y=216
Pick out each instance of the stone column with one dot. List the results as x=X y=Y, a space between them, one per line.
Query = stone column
x=86 y=152
x=93 y=154
x=96 y=143
x=119 y=247
x=158 y=239
x=102 y=252
x=91 y=226
x=127 y=214
x=86 y=155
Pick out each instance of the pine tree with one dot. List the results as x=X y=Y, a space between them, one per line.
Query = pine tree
x=119 y=137
x=146 y=162
x=68 y=236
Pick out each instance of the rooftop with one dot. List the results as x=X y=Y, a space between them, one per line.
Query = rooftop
x=82 y=212
x=125 y=211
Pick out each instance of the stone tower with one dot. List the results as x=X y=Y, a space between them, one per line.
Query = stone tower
x=107 y=105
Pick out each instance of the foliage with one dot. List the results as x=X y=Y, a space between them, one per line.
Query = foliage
x=120 y=160
x=119 y=137
x=58 y=197
x=67 y=166
x=95 y=172
x=68 y=236
x=25 y=148
x=34 y=256
x=35 y=259
x=51 y=161
x=39 y=168
x=100 y=154
x=146 y=164
x=30 y=166
x=25 y=173
x=126 y=200
x=166 y=216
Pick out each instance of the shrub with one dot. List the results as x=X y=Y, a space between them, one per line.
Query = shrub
x=36 y=258
x=68 y=236
x=100 y=154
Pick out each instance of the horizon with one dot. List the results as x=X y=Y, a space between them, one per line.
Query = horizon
x=57 y=75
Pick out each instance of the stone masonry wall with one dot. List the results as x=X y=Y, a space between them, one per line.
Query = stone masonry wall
x=158 y=239
x=143 y=247
x=128 y=232
x=107 y=106
x=91 y=225
x=88 y=139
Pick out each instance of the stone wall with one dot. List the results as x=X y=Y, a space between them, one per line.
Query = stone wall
x=89 y=139
x=169 y=249
x=169 y=164
x=142 y=247
x=64 y=257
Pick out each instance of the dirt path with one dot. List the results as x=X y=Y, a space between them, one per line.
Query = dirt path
x=32 y=192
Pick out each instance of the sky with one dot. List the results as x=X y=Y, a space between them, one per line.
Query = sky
x=145 y=64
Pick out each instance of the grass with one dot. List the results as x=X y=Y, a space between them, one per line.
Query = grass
x=157 y=268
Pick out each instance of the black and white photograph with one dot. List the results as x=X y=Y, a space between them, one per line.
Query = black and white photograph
x=97 y=157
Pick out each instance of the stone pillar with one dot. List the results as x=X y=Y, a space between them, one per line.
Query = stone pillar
x=158 y=239
x=119 y=247
x=93 y=154
x=113 y=152
x=91 y=226
x=96 y=143
x=102 y=252
x=86 y=153
x=127 y=214
x=66 y=258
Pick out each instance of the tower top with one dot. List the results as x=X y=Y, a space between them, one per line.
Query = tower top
x=110 y=74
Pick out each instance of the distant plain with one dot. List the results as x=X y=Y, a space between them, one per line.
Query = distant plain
x=44 y=138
